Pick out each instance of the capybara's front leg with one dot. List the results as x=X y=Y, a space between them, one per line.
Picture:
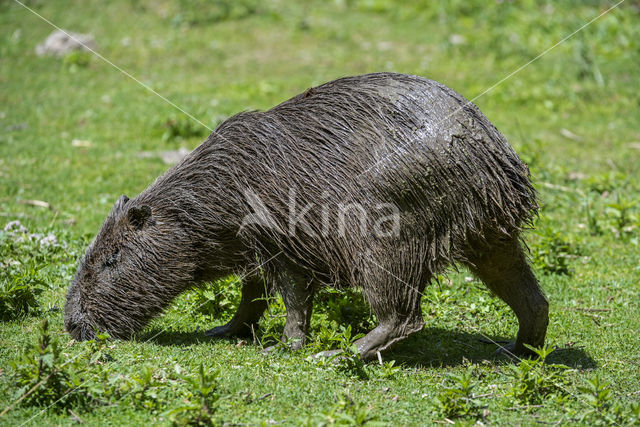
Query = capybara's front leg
x=298 y=299
x=297 y=295
x=252 y=306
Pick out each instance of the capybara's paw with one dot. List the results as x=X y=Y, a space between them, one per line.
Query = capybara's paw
x=292 y=344
x=508 y=349
x=219 y=331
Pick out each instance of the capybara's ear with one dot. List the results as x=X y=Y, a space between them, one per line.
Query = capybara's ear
x=139 y=217
x=122 y=200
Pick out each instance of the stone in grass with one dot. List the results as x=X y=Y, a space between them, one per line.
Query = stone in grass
x=62 y=42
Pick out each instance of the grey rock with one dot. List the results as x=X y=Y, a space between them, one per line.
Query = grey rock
x=62 y=42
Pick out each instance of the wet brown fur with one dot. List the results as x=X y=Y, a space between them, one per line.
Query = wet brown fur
x=463 y=195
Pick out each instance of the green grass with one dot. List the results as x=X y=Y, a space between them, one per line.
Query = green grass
x=572 y=115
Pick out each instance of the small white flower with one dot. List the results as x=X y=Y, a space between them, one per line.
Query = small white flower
x=49 y=240
x=15 y=227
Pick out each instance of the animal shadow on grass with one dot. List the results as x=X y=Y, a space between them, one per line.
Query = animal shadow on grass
x=166 y=337
x=443 y=347
x=430 y=347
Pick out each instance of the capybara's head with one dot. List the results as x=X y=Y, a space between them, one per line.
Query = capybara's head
x=137 y=264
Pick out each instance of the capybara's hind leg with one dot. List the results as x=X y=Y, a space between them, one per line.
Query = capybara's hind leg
x=396 y=304
x=388 y=333
x=252 y=305
x=384 y=336
x=504 y=269
x=395 y=323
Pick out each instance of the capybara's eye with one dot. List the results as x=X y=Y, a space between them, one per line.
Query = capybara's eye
x=112 y=259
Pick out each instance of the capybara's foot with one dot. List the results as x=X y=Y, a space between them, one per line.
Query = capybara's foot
x=292 y=344
x=233 y=328
x=380 y=339
x=384 y=337
x=252 y=304
x=221 y=331
x=508 y=349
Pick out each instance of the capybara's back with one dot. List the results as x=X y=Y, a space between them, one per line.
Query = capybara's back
x=377 y=181
x=405 y=140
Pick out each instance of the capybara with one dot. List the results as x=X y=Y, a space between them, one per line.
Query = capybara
x=379 y=181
